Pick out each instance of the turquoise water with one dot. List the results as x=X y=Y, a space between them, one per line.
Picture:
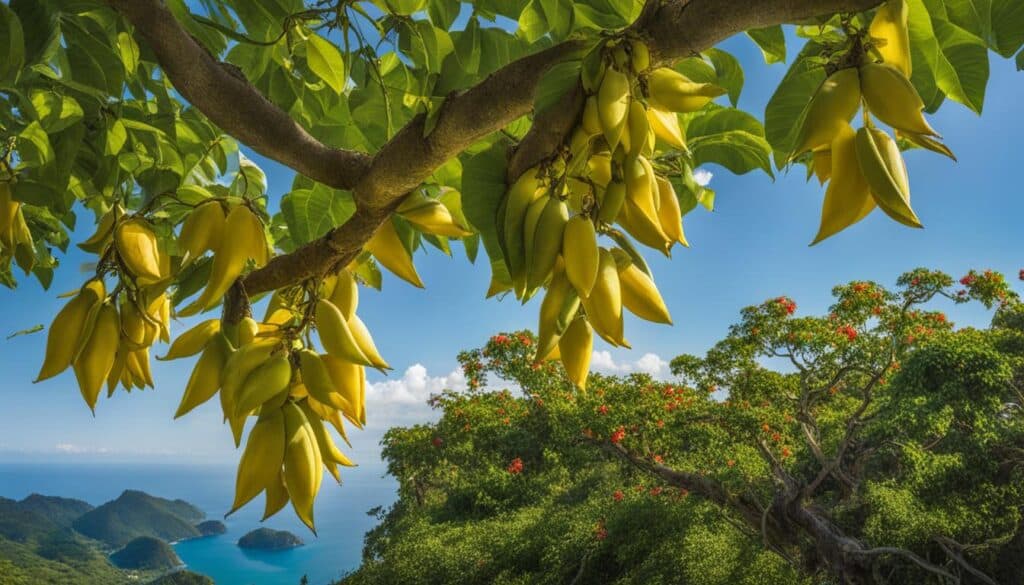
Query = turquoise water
x=341 y=516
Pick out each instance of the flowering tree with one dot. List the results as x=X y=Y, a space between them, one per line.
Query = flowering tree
x=873 y=443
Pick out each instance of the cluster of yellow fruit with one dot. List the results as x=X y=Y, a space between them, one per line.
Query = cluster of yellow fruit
x=550 y=218
x=864 y=167
x=426 y=214
x=267 y=371
x=15 y=237
x=107 y=337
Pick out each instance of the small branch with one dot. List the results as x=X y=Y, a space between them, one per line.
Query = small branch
x=952 y=550
x=888 y=550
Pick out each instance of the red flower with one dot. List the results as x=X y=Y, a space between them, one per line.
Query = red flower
x=655 y=491
x=968 y=280
x=731 y=463
x=618 y=495
x=437 y=441
x=848 y=331
x=876 y=310
x=658 y=459
x=660 y=423
x=618 y=435
x=603 y=409
x=786 y=452
x=601 y=534
x=515 y=467
x=776 y=437
x=765 y=427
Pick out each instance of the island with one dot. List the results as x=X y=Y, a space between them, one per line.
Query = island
x=211 y=528
x=268 y=539
x=146 y=553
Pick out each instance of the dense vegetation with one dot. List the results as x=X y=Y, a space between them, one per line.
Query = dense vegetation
x=182 y=578
x=879 y=427
x=269 y=539
x=146 y=553
x=135 y=514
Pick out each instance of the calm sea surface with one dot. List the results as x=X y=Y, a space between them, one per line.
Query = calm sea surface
x=341 y=517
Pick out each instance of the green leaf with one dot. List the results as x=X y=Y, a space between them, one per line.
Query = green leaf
x=555 y=83
x=771 y=41
x=29 y=331
x=1020 y=60
x=483 y=188
x=34 y=146
x=729 y=72
x=310 y=213
x=1007 y=26
x=40 y=28
x=541 y=18
x=786 y=108
x=250 y=182
x=53 y=111
x=325 y=60
x=955 y=59
x=12 y=46
x=731 y=138
x=405 y=7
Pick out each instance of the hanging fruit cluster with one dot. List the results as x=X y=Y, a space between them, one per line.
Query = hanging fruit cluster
x=864 y=168
x=552 y=215
x=15 y=237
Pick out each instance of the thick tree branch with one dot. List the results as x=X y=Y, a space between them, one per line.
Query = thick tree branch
x=225 y=97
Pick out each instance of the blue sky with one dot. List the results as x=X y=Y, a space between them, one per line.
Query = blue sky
x=752 y=247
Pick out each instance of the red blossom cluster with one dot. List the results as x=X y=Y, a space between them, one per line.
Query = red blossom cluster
x=603 y=409
x=437 y=441
x=848 y=331
x=618 y=495
x=515 y=467
x=618 y=435
x=787 y=304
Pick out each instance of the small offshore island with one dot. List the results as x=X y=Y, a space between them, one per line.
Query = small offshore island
x=269 y=539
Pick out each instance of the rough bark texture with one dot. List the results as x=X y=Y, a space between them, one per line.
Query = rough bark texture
x=673 y=29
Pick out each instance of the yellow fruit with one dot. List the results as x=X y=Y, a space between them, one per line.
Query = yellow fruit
x=229 y=260
x=556 y=310
x=927 y=142
x=591 y=122
x=613 y=106
x=832 y=107
x=575 y=350
x=336 y=336
x=318 y=382
x=822 y=162
x=345 y=294
x=645 y=229
x=302 y=464
x=103 y=234
x=328 y=449
x=8 y=209
x=641 y=296
x=666 y=128
x=579 y=248
x=547 y=241
x=261 y=461
x=430 y=216
x=202 y=230
x=205 y=379
x=670 y=215
x=891 y=36
x=236 y=370
x=67 y=330
x=193 y=341
x=348 y=379
x=365 y=343
x=388 y=249
x=523 y=192
x=137 y=246
x=848 y=197
x=882 y=165
x=97 y=357
x=892 y=98
x=612 y=201
x=600 y=167
x=262 y=384
x=641 y=137
x=276 y=496
x=672 y=91
x=641 y=185
x=248 y=331
x=640 y=56
x=604 y=305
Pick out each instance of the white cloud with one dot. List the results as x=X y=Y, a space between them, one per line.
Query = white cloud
x=415 y=386
x=702 y=176
x=649 y=363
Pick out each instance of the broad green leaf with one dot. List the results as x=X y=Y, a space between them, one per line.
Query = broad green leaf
x=12 y=45
x=55 y=112
x=731 y=138
x=730 y=73
x=771 y=41
x=555 y=83
x=483 y=188
x=40 y=28
x=786 y=108
x=129 y=52
x=250 y=182
x=1020 y=60
x=405 y=7
x=541 y=18
x=34 y=146
x=117 y=135
x=310 y=213
x=326 y=62
x=1007 y=26
x=953 y=57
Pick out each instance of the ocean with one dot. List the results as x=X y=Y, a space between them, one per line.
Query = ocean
x=341 y=514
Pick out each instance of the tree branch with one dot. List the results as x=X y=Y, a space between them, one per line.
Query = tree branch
x=225 y=97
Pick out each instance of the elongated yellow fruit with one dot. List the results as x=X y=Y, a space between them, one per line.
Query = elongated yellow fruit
x=645 y=229
x=833 y=105
x=302 y=464
x=265 y=382
x=318 y=381
x=66 y=331
x=641 y=296
x=193 y=341
x=248 y=331
x=336 y=336
x=892 y=98
x=261 y=461
x=142 y=359
x=348 y=379
x=640 y=56
x=613 y=106
x=666 y=128
x=205 y=379
x=8 y=209
x=228 y=261
x=891 y=35
x=345 y=294
x=431 y=216
x=575 y=349
x=591 y=120
x=604 y=305
x=387 y=248
x=97 y=358
x=822 y=163
x=848 y=197
x=547 y=241
x=236 y=370
x=600 y=167
x=521 y=195
x=641 y=186
x=612 y=202
x=365 y=343
x=533 y=215
x=104 y=231
x=672 y=91
x=202 y=230
x=329 y=451
x=670 y=215
x=883 y=167
x=137 y=246
x=556 y=310
x=579 y=248
x=276 y=496
x=641 y=136
x=255 y=238
x=927 y=142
